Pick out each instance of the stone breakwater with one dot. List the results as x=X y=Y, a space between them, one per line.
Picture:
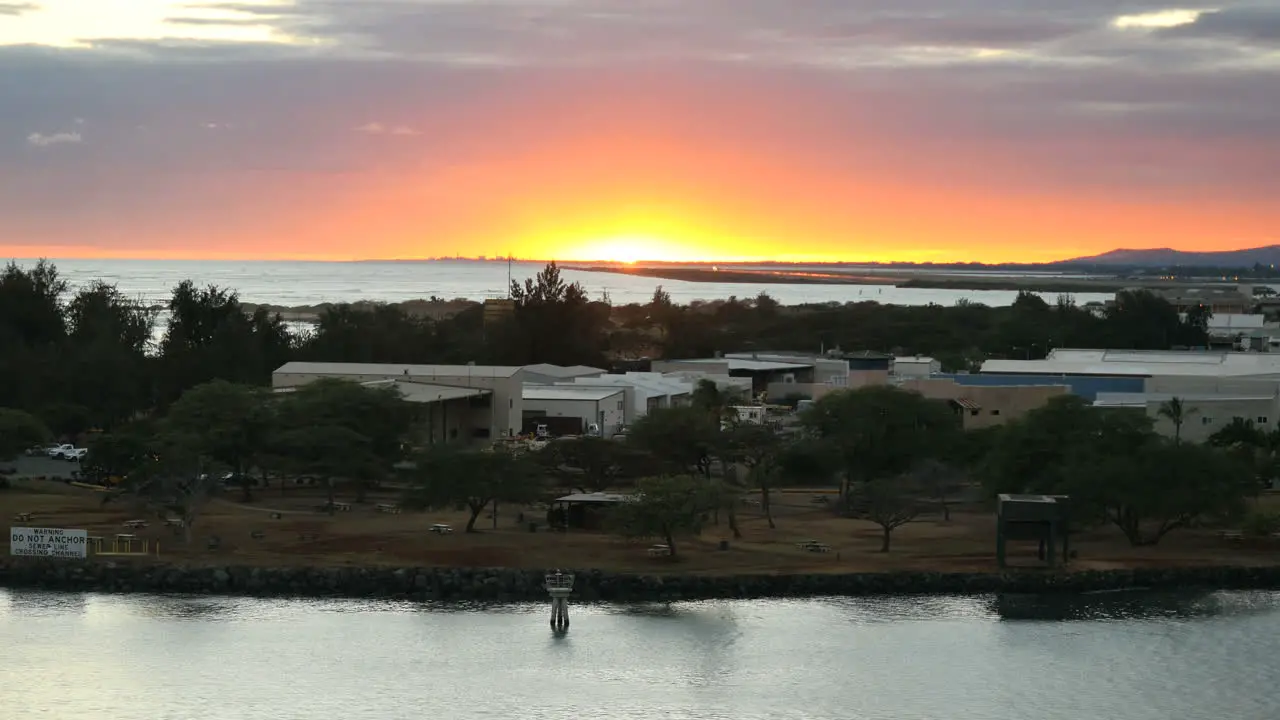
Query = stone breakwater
x=509 y=585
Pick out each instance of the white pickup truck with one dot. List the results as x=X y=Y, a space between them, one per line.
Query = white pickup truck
x=67 y=452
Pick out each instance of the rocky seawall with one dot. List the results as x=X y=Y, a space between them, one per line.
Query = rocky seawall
x=501 y=584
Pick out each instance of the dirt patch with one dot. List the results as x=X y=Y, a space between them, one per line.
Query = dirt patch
x=249 y=535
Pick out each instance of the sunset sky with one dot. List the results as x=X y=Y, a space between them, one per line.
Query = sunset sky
x=916 y=130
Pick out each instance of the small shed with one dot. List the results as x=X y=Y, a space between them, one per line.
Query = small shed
x=1042 y=518
x=584 y=510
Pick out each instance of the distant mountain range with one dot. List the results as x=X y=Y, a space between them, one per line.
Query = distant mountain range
x=1167 y=257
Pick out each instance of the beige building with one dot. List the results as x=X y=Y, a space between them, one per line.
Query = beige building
x=983 y=406
x=1203 y=415
x=464 y=402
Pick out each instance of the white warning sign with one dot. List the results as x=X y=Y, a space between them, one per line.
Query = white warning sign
x=48 y=542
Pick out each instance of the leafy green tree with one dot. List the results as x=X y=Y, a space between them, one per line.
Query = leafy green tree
x=120 y=452
x=180 y=480
x=592 y=464
x=19 y=430
x=1032 y=453
x=555 y=322
x=445 y=476
x=32 y=333
x=229 y=424
x=1159 y=487
x=759 y=449
x=881 y=431
x=372 y=421
x=106 y=369
x=328 y=452
x=665 y=507
x=681 y=439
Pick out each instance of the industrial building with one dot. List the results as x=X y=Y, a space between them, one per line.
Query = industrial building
x=777 y=375
x=601 y=408
x=981 y=406
x=463 y=402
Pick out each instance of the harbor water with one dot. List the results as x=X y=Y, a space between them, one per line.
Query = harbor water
x=1119 y=656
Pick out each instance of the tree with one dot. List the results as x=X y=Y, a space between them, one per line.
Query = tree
x=445 y=476
x=682 y=439
x=120 y=452
x=711 y=399
x=664 y=507
x=178 y=481
x=343 y=410
x=1160 y=487
x=941 y=482
x=881 y=431
x=758 y=448
x=592 y=464
x=19 y=430
x=109 y=336
x=889 y=502
x=328 y=452
x=1177 y=413
x=228 y=423
x=1031 y=454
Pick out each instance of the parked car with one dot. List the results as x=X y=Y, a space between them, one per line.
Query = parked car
x=75 y=454
x=38 y=450
x=59 y=451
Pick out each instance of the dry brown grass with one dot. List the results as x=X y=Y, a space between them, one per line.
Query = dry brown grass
x=366 y=537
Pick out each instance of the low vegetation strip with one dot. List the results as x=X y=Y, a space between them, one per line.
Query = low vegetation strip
x=511 y=585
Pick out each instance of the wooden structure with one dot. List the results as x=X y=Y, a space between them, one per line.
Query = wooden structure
x=1042 y=518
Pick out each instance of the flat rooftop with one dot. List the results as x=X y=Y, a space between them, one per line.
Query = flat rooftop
x=1142 y=363
x=388 y=370
x=597 y=497
x=749 y=365
x=561 y=371
x=569 y=392
x=1105 y=399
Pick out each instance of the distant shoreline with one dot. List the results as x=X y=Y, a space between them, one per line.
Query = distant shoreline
x=917 y=280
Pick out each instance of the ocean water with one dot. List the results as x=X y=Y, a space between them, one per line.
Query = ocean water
x=293 y=284
x=1122 y=656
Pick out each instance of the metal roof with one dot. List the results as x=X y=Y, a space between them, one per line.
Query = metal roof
x=1105 y=399
x=736 y=363
x=967 y=404
x=430 y=392
x=569 y=392
x=611 y=498
x=1131 y=363
x=389 y=370
x=560 y=371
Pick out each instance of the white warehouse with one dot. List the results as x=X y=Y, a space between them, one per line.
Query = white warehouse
x=603 y=407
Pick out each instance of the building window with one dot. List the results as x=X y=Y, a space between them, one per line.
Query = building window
x=1262 y=419
x=974 y=413
x=995 y=412
x=1206 y=420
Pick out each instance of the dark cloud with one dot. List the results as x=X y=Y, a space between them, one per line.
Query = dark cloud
x=1257 y=24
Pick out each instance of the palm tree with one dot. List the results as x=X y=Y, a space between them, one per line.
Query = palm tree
x=1178 y=413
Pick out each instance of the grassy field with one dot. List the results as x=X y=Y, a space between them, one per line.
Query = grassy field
x=364 y=536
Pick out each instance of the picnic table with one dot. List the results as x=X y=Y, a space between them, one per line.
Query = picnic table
x=23 y=517
x=659 y=550
x=441 y=529
x=813 y=546
x=174 y=522
x=388 y=508
x=135 y=523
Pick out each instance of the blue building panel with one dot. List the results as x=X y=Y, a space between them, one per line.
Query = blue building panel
x=1086 y=386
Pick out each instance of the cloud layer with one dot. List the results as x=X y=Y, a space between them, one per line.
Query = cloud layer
x=984 y=129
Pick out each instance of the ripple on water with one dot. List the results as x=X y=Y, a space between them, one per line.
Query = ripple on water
x=1120 y=656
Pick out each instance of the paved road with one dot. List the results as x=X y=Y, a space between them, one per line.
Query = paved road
x=41 y=466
